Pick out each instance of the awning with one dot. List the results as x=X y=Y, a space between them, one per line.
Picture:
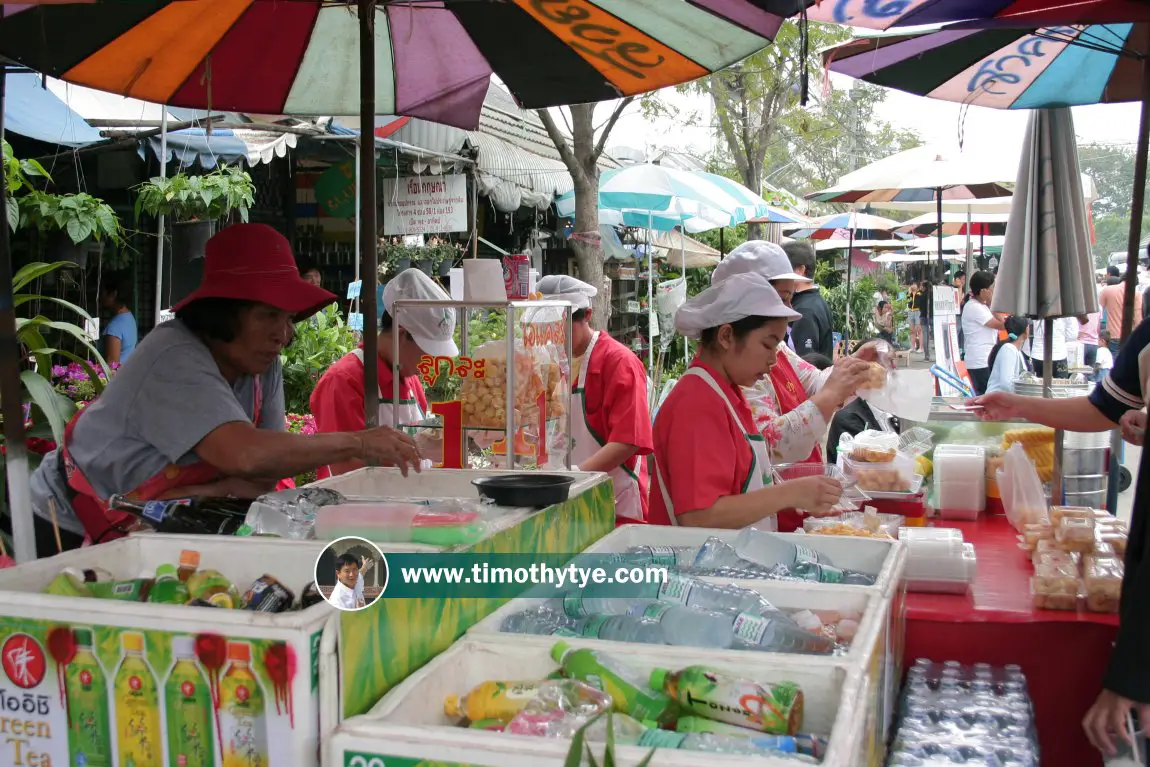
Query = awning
x=193 y=146
x=32 y=110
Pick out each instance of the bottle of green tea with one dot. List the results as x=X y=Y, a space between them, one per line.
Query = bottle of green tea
x=776 y=708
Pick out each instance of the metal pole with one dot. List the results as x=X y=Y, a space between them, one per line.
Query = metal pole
x=1137 y=204
x=969 y=249
x=367 y=228
x=683 y=253
x=850 y=249
x=11 y=392
x=160 y=222
x=358 y=203
x=650 y=298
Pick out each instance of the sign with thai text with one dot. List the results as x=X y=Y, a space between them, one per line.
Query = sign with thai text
x=425 y=205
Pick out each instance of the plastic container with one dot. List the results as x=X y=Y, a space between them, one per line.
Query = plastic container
x=916 y=441
x=1102 y=581
x=1034 y=532
x=915 y=488
x=852 y=497
x=1075 y=534
x=894 y=476
x=856 y=523
x=1055 y=587
x=960 y=464
x=929 y=542
x=408 y=725
x=1058 y=513
x=873 y=446
x=957 y=567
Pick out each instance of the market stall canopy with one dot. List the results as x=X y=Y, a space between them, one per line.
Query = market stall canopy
x=1047 y=267
x=913 y=258
x=36 y=112
x=863 y=226
x=432 y=60
x=954 y=242
x=841 y=243
x=678 y=249
x=988 y=206
x=973 y=223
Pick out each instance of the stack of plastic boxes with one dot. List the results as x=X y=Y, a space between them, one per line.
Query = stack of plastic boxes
x=938 y=560
x=960 y=481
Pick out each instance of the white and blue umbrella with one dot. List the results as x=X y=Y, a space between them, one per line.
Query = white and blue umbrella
x=757 y=209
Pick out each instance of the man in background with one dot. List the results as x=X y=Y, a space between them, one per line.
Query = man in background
x=814 y=332
x=1112 y=300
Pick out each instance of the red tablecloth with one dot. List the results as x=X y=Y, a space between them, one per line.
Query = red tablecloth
x=1063 y=654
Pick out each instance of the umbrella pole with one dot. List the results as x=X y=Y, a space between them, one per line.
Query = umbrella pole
x=11 y=394
x=650 y=298
x=160 y=221
x=850 y=254
x=1136 y=205
x=367 y=227
x=969 y=249
x=683 y=253
x=722 y=247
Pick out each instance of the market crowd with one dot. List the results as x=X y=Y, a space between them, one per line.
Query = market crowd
x=197 y=408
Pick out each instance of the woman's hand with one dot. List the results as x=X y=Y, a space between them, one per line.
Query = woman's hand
x=814 y=495
x=848 y=375
x=387 y=447
x=876 y=351
x=1133 y=425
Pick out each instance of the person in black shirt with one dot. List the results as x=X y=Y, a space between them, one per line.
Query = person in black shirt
x=1119 y=399
x=814 y=332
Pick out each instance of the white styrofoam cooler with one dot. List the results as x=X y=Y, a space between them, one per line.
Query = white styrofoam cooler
x=884 y=559
x=409 y=722
x=292 y=733
x=386 y=482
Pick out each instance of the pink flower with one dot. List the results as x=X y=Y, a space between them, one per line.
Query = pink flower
x=772 y=434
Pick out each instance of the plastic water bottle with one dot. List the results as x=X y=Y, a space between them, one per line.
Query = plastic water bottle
x=812 y=571
x=768 y=549
x=667 y=556
x=715 y=554
x=537 y=621
x=777 y=633
x=620 y=628
x=718 y=744
x=687 y=626
x=677 y=589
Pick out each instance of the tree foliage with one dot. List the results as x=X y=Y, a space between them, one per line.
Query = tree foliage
x=768 y=136
x=1112 y=168
x=580 y=153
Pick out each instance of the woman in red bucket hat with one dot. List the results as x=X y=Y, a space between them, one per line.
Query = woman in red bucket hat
x=198 y=410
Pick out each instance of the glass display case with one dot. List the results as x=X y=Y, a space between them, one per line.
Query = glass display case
x=1076 y=461
x=484 y=411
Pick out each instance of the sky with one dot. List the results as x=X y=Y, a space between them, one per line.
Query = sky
x=993 y=135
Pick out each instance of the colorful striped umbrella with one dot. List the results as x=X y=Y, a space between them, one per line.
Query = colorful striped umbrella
x=1019 y=13
x=432 y=59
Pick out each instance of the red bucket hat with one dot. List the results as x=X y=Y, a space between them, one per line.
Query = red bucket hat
x=253 y=262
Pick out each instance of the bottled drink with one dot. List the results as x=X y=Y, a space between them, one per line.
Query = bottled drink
x=812 y=571
x=717 y=744
x=768 y=549
x=668 y=556
x=188 y=709
x=777 y=633
x=629 y=693
x=89 y=741
x=537 y=621
x=716 y=554
x=500 y=700
x=137 y=707
x=620 y=628
x=687 y=626
x=677 y=589
x=242 y=723
x=168 y=588
x=189 y=563
x=195 y=516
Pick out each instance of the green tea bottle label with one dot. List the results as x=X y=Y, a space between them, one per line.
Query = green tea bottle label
x=137 y=707
x=188 y=704
x=776 y=708
x=242 y=721
x=89 y=736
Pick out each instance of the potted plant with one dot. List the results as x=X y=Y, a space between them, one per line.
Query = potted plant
x=195 y=204
x=68 y=221
x=394 y=256
x=445 y=255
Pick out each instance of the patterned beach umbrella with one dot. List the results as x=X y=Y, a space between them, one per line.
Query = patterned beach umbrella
x=1019 y=13
x=433 y=60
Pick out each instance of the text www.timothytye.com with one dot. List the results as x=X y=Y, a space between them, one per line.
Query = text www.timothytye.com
x=480 y=573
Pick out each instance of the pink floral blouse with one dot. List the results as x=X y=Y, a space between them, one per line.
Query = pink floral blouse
x=792 y=436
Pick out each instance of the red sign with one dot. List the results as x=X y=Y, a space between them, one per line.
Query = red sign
x=23 y=660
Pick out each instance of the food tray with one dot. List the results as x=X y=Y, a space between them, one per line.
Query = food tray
x=890 y=495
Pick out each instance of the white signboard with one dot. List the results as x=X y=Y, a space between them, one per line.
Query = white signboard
x=425 y=205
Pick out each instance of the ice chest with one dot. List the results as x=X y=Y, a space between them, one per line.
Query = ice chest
x=884 y=559
x=38 y=631
x=408 y=726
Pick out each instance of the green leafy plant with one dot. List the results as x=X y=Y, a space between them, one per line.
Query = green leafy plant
x=80 y=216
x=17 y=175
x=580 y=749
x=209 y=197
x=319 y=342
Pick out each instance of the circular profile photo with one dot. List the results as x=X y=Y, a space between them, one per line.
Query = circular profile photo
x=351 y=573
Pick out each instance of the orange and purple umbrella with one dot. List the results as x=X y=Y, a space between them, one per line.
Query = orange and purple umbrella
x=888 y=14
x=432 y=59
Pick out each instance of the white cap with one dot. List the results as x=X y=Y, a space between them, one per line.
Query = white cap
x=184 y=646
x=735 y=298
x=758 y=257
x=431 y=328
x=561 y=287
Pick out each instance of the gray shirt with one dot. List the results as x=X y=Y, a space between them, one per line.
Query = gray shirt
x=166 y=398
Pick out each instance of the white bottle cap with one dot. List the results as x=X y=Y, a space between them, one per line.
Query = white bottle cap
x=184 y=646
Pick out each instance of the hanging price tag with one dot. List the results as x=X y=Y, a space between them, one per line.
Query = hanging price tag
x=355 y=321
x=354 y=288
x=452 y=415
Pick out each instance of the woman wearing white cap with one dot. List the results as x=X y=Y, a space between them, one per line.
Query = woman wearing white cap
x=338 y=400
x=794 y=405
x=712 y=467
x=611 y=421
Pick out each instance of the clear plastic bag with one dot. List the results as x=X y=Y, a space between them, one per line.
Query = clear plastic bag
x=1021 y=489
x=874 y=446
x=559 y=709
x=434 y=522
